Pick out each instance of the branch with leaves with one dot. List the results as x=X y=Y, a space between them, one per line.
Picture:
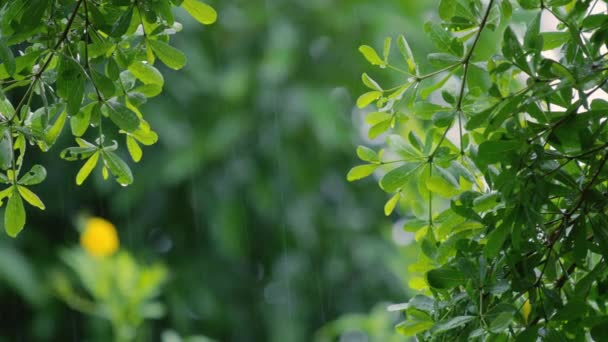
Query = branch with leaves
x=498 y=160
x=87 y=64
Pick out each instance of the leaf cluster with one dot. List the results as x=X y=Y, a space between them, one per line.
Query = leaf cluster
x=498 y=157
x=86 y=64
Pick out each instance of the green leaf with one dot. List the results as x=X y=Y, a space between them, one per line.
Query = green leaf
x=121 y=115
x=134 y=149
x=146 y=73
x=21 y=63
x=371 y=55
x=414 y=225
x=86 y=169
x=172 y=57
x=443 y=40
x=55 y=130
x=425 y=92
x=70 y=84
x=103 y=84
x=379 y=128
x=377 y=117
x=533 y=40
x=121 y=25
x=118 y=168
x=407 y=54
x=367 y=154
x=529 y=4
x=7 y=57
x=443 y=119
x=202 y=12
x=79 y=123
x=36 y=175
x=411 y=328
x=452 y=323
x=445 y=277
x=6 y=149
x=361 y=171
x=389 y=207
x=486 y=202
x=425 y=110
x=441 y=186
x=387 y=49
x=30 y=197
x=512 y=50
x=14 y=215
x=398 y=177
x=496 y=239
x=501 y=322
x=144 y=135
x=442 y=60
x=552 y=40
x=6 y=107
x=367 y=98
x=370 y=83
x=399 y=145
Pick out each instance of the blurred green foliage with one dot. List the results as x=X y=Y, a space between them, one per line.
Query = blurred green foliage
x=244 y=197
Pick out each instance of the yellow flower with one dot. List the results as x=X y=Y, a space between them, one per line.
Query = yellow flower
x=99 y=238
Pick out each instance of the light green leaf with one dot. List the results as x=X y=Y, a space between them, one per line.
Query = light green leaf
x=86 y=169
x=367 y=98
x=134 y=149
x=53 y=132
x=371 y=55
x=407 y=54
x=391 y=203
x=414 y=225
x=552 y=40
x=202 y=12
x=30 y=197
x=147 y=73
x=441 y=186
x=377 y=117
x=379 y=128
x=370 y=83
x=387 y=49
x=367 y=154
x=411 y=328
x=361 y=171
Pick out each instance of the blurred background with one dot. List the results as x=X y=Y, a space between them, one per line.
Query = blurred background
x=244 y=198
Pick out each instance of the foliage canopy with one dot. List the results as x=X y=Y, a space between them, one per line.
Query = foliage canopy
x=498 y=158
x=89 y=64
